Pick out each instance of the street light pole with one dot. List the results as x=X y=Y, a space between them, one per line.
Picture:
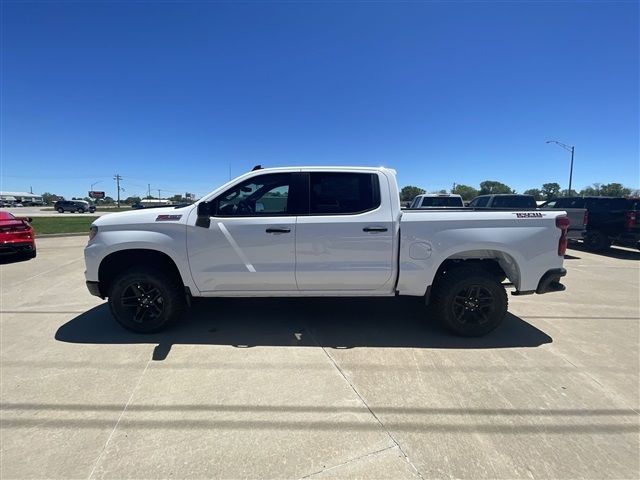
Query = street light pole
x=569 y=149
x=573 y=149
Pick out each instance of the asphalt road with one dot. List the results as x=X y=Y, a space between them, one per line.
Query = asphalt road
x=47 y=212
x=273 y=388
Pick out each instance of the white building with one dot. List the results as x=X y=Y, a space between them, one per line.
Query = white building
x=25 y=198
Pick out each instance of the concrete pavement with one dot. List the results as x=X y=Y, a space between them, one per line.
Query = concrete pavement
x=299 y=388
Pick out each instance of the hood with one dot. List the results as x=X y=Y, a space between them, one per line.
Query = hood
x=144 y=215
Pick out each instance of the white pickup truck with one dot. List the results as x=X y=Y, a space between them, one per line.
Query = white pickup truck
x=321 y=231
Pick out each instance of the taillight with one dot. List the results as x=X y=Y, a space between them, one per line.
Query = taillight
x=563 y=224
x=629 y=220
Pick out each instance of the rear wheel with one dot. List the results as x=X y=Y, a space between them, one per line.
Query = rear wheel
x=596 y=241
x=146 y=300
x=81 y=210
x=469 y=301
x=61 y=210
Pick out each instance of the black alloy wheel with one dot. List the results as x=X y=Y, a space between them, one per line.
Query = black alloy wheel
x=473 y=305
x=143 y=301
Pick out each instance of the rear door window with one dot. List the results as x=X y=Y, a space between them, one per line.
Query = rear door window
x=513 y=201
x=343 y=193
x=441 y=202
x=479 y=202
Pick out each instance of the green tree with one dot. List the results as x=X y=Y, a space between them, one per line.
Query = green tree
x=176 y=199
x=567 y=193
x=493 y=187
x=614 y=190
x=108 y=200
x=466 y=192
x=591 y=191
x=535 y=192
x=409 y=192
x=131 y=200
x=49 y=198
x=550 y=191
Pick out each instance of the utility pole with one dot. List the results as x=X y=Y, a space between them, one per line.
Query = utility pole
x=159 y=197
x=148 y=189
x=453 y=190
x=117 y=178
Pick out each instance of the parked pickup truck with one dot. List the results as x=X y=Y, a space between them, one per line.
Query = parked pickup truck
x=321 y=231
x=578 y=217
x=612 y=220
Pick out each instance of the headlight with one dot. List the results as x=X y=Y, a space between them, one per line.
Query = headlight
x=93 y=231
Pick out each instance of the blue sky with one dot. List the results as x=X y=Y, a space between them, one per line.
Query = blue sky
x=176 y=94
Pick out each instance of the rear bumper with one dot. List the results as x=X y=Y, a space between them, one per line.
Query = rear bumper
x=94 y=289
x=550 y=281
x=13 y=248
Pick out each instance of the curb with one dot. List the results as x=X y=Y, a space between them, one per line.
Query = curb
x=57 y=235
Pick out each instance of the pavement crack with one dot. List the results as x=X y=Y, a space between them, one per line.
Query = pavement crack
x=355 y=390
x=115 y=427
x=351 y=460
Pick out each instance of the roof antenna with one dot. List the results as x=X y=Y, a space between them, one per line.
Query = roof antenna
x=257 y=167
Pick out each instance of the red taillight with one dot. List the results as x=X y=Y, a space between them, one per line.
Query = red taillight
x=563 y=224
x=629 y=220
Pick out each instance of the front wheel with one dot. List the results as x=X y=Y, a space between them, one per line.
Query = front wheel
x=146 y=300
x=469 y=301
x=61 y=210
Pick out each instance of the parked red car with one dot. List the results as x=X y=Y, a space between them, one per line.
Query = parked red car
x=17 y=238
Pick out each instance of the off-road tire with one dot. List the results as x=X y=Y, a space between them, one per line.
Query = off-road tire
x=469 y=301
x=146 y=300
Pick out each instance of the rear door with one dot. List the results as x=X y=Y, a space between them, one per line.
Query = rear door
x=345 y=242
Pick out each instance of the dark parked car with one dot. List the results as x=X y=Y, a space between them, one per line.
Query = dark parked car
x=507 y=200
x=74 y=206
x=612 y=220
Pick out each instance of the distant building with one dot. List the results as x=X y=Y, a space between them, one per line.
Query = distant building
x=25 y=198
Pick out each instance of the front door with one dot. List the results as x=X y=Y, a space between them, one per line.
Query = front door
x=249 y=245
x=346 y=240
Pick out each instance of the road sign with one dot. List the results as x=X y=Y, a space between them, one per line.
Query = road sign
x=96 y=194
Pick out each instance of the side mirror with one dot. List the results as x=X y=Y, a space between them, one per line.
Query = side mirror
x=204 y=209
x=204 y=215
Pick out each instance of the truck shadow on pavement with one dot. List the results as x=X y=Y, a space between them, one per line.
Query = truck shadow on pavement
x=297 y=322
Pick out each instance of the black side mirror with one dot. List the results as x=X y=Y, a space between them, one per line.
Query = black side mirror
x=204 y=209
x=204 y=215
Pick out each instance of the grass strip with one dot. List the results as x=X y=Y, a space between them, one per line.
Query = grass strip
x=47 y=225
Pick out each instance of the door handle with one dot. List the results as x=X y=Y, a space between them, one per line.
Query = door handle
x=278 y=230
x=374 y=229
